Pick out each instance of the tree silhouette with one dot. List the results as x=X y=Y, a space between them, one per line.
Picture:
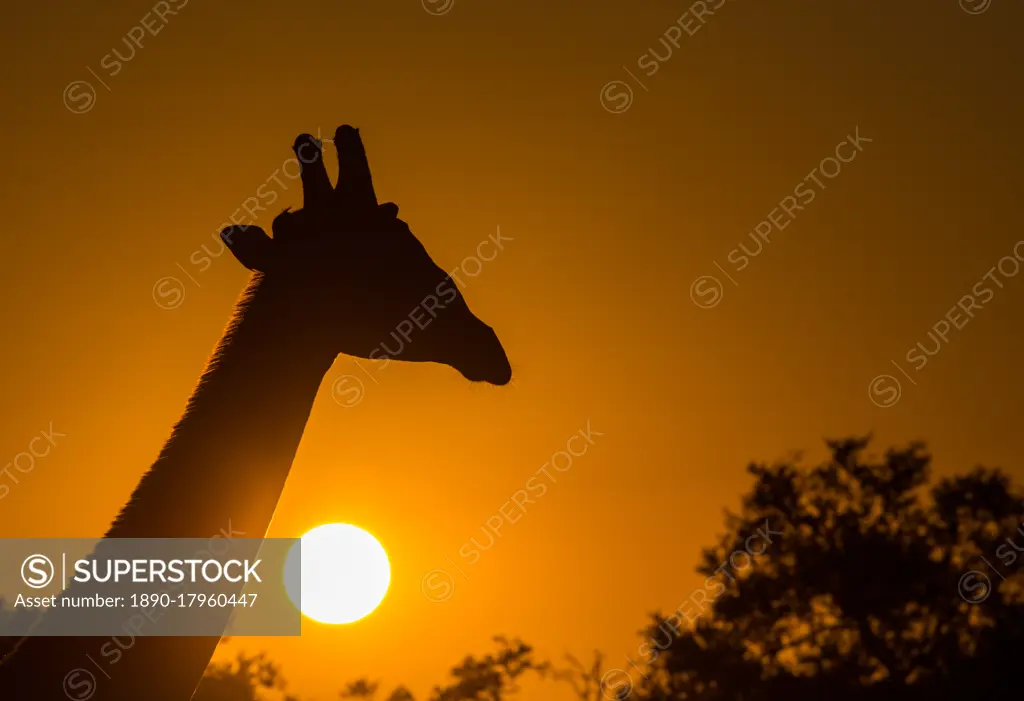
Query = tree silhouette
x=873 y=587
x=490 y=678
x=244 y=680
x=493 y=677
x=360 y=689
x=365 y=689
x=587 y=683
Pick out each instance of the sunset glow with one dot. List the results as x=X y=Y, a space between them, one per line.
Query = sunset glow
x=345 y=574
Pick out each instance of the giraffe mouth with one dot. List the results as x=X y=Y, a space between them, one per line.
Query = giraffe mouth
x=485 y=361
x=499 y=376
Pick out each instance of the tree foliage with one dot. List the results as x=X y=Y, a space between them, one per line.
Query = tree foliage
x=875 y=588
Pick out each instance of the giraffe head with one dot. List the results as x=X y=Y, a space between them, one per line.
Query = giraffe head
x=354 y=273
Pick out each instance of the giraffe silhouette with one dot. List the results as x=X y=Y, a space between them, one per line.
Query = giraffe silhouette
x=339 y=275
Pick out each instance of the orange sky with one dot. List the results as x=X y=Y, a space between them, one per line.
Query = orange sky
x=491 y=115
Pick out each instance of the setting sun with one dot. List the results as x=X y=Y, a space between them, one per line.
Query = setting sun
x=345 y=574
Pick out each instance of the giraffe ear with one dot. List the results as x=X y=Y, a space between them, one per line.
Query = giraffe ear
x=251 y=246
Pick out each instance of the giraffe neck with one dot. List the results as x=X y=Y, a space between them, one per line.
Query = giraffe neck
x=229 y=455
x=221 y=472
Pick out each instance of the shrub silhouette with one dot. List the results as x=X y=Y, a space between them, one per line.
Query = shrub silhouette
x=246 y=679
